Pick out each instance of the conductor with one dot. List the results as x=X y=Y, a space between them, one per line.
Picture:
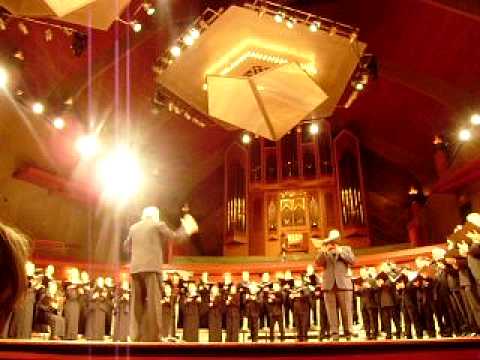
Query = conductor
x=145 y=242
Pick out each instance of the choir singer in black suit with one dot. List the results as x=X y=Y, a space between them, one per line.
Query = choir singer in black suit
x=145 y=242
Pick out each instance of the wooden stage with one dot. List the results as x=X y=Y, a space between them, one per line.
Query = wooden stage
x=431 y=349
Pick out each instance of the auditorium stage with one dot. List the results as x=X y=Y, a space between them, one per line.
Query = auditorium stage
x=431 y=349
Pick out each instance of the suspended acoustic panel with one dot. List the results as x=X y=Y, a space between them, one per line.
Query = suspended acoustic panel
x=98 y=14
x=272 y=70
x=262 y=103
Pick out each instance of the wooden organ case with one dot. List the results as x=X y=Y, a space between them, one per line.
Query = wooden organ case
x=278 y=195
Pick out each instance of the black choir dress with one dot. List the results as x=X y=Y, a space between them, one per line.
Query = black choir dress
x=96 y=314
x=232 y=310
x=121 y=318
x=168 y=316
x=215 y=312
x=22 y=318
x=191 y=318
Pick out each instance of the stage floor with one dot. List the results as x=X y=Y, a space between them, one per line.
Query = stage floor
x=431 y=349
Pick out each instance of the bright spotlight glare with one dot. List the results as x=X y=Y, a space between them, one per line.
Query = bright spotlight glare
x=475 y=119
x=149 y=9
x=359 y=86
x=58 y=123
x=246 y=138
x=188 y=40
x=314 y=27
x=291 y=23
x=136 y=26
x=38 y=108
x=195 y=33
x=87 y=145
x=120 y=174
x=278 y=18
x=314 y=129
x=464 y=135
x=175 y=51
x=3 y=78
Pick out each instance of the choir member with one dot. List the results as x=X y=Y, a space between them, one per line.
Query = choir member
x=300 y=299
x=96 y=312
x=204 y=292
x=72 y=305
x=467 y=286
x=424 y=285
x=191 y=316
x=110 y=287
x=324 y=329
x=121 y=312
x=387 y=302
x=21 y=322
x=168 y=302
x=408 y=294
x=441 y=294
x=83 y=295
x=215 y=311
x=243 y=290
x=252 y=310
x=460 y=322
x=287 y=285
x=265 y=287
x=310 y=280
x=274 y=308
x=232 y=313
x=48 y=311
x=368 y=302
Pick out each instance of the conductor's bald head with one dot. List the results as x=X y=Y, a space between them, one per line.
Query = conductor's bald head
x=151 y=213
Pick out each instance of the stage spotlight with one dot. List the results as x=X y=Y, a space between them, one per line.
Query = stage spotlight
x=38 y=108
x=120 y=174
x=58 y=123
x=314 y=26
x=291 y=23
x=464 y=135
x=314 y=128
x=279 y=17
x=475 y=119
x=3 y=78
x=195 y=33
x=246 y=138
x=175 y=51
x=188 y=40
x=79 y=43
x=87 y=145
x=149 y=9
x=359 y=86
x=136 y=26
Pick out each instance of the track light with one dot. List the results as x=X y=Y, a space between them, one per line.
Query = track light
x=475 y=119
x=175 y=51
x=314 y=128
x=279 y=17
x=38 y=108
x=291 y=23
x=3 y=78
x=314 y=26
x=188 y=40
x=58 y=123
x=359 y=86
x=195 y=33
x=464 y=135
x=79 y=43
x=149 y=9
x=136 y=26
x=246 y=138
